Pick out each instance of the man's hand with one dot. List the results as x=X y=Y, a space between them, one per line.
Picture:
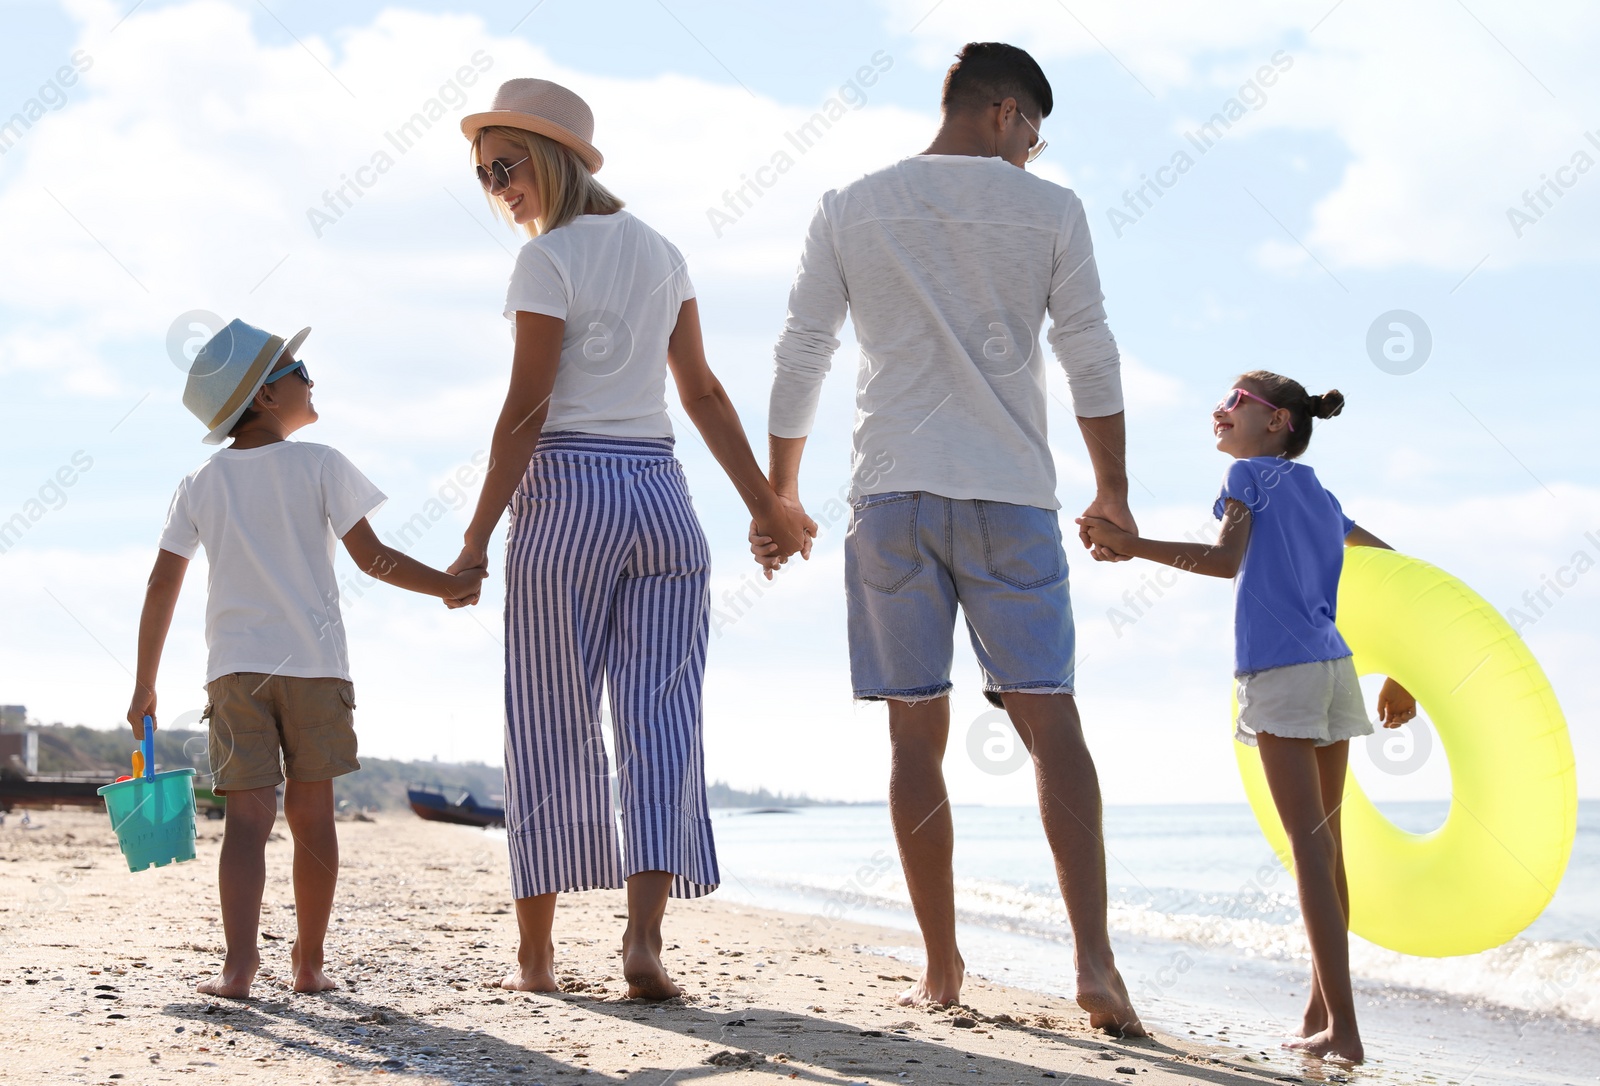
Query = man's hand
x=1116 y=514
x=766 y=549
x=787 y=527
x=1396 y=706
x=142 y=704
x=1106 y=537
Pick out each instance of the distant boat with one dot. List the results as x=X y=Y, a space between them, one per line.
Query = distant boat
x=465 y=811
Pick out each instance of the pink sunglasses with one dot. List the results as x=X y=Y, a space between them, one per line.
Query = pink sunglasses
x=1231 y=401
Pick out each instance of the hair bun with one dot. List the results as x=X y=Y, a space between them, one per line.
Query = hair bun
x=1327 y=405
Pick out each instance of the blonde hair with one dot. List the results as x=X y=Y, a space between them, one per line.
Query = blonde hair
x=566 y=187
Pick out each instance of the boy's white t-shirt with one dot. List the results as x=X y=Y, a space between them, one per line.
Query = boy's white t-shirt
x=618 y=285
x=268 y=518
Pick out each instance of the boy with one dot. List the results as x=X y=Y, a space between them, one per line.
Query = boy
x=267 y=511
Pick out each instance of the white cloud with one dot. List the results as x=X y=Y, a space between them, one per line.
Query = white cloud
x=1447 y=120
x=229 y=145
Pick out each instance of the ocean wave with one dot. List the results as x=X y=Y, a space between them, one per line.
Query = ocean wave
x=1536 y=976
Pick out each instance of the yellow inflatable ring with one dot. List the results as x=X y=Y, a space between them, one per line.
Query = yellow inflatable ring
x=1491 y=869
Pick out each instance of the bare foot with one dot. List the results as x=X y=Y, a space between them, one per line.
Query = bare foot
x=535 y=970
x=641 y=965
x=1315 y=1020
x=939 y=988
x=308 y=974
x=1330 y=1046
x=235 y=979
x=1105 y=997
x=529 y=979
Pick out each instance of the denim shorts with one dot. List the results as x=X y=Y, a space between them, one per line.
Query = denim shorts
x=911 y=557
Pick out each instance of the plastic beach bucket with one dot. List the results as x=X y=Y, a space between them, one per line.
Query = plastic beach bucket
x=153 y=814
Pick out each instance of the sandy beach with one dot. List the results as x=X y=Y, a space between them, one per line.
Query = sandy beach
x=100 y=967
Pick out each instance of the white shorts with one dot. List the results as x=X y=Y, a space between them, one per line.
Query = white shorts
x=1320 y=701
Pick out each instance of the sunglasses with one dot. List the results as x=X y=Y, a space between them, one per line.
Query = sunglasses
x=497 y=174
x=1234 y=397
x=1039 y=145
x=296 y=367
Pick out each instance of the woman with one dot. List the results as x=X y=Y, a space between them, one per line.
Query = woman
x=606 y=566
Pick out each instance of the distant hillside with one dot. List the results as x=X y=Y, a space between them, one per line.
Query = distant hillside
x=379 y=785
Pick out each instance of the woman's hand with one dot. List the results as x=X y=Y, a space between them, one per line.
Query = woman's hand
x=1396 y=706
x=468 y=587
x=764 y=551
x=472 y=556
x=473 y=561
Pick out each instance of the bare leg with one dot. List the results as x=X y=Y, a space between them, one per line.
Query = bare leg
x=1293 y=773
x=919 y=807
x=1069 y=807
x=1331 y=763
x=536 y=950
x=308 y=808
x=241 y=877
x=641 y=942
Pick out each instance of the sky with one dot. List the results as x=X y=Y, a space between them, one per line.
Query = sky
x=1400 y=202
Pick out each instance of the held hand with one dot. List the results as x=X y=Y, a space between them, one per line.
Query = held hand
x=1115 y=511
x=764 y=551
x=142 y=704
x=799 y=517
x=472 y=556
x=1396 y=706
x=786 y=528
x=468 y=586
x=784 y=531
x=1104 y=537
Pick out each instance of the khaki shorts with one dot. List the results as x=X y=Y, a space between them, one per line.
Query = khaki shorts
x=1320 y=701
x=264 y=727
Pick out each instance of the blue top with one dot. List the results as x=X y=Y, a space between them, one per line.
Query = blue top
x=1287 y=590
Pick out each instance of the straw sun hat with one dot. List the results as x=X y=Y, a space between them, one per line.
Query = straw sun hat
x=538 y=105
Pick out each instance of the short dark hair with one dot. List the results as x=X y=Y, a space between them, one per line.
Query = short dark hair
x=989 y=71
x=251 y=413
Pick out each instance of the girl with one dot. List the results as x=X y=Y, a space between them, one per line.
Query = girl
x=1299 y=699
x=606 y=566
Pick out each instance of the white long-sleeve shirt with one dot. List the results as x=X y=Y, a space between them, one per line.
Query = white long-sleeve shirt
x=948 y=265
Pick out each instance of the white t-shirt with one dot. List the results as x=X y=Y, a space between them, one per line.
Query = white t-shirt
x=618 y=285
x=268 y=518
x=948 y=265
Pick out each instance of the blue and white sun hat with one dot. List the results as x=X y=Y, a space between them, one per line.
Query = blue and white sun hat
x=228 y=372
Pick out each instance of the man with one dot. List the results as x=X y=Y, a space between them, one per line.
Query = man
x=948 y=262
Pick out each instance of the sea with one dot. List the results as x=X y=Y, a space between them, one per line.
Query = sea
x=1206 y=927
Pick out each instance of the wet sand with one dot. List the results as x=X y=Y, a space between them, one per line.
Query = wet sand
x=98 y=968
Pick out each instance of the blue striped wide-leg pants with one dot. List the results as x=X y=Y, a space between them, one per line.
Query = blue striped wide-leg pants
x=606 y=584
